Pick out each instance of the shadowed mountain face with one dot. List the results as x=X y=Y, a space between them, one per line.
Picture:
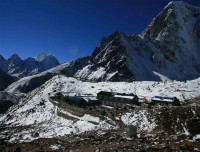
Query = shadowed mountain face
x=17 y=67
x=167 y=49
x=7 y=100
x=5 y=80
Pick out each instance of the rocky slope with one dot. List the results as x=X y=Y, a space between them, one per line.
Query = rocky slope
x=17 y=67
x=175 y=129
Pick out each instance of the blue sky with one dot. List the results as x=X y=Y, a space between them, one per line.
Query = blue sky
x=70 y=28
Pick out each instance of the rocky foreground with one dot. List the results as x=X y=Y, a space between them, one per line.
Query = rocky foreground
x=177 y=129
x=108 y=141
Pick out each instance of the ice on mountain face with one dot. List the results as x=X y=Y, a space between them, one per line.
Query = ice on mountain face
x=162 y=77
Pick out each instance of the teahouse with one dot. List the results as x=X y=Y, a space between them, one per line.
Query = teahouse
x=117 y=99
x=163 y=101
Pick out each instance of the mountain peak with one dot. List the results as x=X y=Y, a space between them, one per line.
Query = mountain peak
x=2 y=58
x=107 y=45
x=41 y=57
x=15 y=56
x=177 y=18
x=182 y=8
x=177 y=3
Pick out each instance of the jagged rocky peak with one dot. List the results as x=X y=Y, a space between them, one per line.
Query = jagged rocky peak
x=2 y=58
x=171 y=40
x=175 y=31
x=15 y=58
x=108 y=47
x=41 y=57
x=176 y=16
x=48 y=61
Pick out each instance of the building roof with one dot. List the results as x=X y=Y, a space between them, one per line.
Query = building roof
x=121 y=96
x=107 y=93
x=165 y=99
x=89 y=98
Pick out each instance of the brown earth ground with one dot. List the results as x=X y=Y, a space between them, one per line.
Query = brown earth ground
x=164 y=137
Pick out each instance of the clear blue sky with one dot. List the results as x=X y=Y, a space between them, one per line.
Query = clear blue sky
x=70 y=28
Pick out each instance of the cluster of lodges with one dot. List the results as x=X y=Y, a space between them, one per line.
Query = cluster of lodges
x=120 y=100
x=165 y=101
x=117 y=100
x=128 y=100
x=75 y=99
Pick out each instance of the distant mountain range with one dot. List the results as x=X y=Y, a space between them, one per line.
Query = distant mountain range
x=19 y=68
x=168 y=49
x=15 y=68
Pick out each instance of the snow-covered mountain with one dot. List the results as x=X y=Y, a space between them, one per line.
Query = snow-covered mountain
x=17 y=67
x=175 y=33
x=168 y=49
x=48 y=61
